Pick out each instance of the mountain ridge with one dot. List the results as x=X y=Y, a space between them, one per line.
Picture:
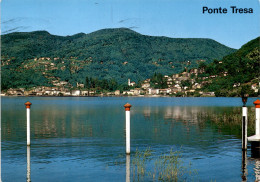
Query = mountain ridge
x=105 y=54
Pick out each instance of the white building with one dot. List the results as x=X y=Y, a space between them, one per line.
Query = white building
x=75 y=92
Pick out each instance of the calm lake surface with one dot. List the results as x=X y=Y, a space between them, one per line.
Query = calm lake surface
x=83 y=139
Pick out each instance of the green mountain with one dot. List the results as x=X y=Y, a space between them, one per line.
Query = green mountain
x=39 y=58
x=241 y=69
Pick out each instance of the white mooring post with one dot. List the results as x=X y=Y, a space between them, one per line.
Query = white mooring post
x=257 y=117
x=255 y=139
x=244 y=128
x=28 y=106
x=127 y=126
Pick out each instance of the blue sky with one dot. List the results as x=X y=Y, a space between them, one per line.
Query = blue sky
x=171 y=18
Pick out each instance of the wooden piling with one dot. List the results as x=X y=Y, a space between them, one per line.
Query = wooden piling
x=255 y=149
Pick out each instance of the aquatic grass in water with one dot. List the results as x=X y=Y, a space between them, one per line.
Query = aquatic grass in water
x=140 y=162
x=170 y=167
x=230 y=121
x=165 y=167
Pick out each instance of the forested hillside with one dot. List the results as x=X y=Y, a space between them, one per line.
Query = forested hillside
x=39 y=58
x=241 y=67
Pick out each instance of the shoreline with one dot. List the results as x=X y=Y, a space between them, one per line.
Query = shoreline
x=150 y=96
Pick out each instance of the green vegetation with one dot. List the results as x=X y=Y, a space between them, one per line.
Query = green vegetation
x=158 y=81
x=165 y=167
x=229 y=122
x=96 y=84
x=38 y=58
x=241 y=68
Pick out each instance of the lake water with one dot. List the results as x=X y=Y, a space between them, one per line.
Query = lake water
x=83 y=139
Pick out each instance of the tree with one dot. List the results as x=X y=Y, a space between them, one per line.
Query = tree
x=87 y=83
x=186 y=83
x=158 y=81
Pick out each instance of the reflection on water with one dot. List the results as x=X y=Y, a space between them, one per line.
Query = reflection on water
x=257 y=170
x=244 y=165
x=127 y=163
x=28 y=164
x=183 y=113
x=73 y=135
x=187 y=114
x=256 y=167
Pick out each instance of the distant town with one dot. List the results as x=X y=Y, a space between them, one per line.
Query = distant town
x=174 y=83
